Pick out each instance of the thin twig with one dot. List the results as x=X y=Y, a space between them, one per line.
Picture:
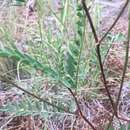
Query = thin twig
x=114 y=23
x=124 y=70
x=98 y=52
x=98 y=47
x=90 y=21
x=79 y=110
x=103 y=76
x=33 y=95
x=125 y=65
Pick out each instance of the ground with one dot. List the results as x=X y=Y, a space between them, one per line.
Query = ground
x=114 y=63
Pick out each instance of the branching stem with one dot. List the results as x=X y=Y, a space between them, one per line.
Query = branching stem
x=98 y=51
x=115 y=106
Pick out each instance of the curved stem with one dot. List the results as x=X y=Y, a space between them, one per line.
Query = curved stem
x=79 y=109
x=33 y=95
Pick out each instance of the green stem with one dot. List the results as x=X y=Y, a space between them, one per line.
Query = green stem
x=79 y=58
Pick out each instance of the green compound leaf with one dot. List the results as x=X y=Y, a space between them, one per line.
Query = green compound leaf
x=26 y=59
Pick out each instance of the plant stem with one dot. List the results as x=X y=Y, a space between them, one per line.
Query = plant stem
x=126 y=62
x=103 y=76
x=98 y=49
x=90 y=21
x=79 y=110
x=79 y=57
x=124 y=70
x=114 y=23
x=98 y=52
x=33 y=95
